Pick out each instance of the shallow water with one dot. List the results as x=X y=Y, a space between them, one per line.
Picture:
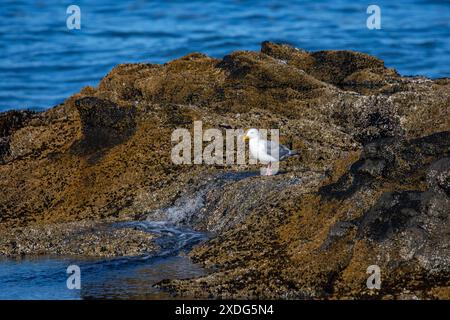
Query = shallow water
x=42 y=62
x=116 y=278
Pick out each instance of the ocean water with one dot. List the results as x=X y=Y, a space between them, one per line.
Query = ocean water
x=42 y=62
x=45 y=278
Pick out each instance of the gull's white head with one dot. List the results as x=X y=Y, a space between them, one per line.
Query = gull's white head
x=251 y=134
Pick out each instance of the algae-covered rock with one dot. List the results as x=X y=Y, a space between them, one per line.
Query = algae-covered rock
x=370 y=186
x=84 y=238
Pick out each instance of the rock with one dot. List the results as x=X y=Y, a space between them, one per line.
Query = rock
x=103 y=124
x=347 y=70
x=371 y=186
x=10 y=122
x=84 y=238
x=319 y=243
x=438 y=176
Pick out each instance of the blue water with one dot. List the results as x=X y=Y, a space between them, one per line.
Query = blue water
x=42 y=62
x=46 y=277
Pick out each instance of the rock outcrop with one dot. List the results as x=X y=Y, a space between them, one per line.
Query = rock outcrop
x=84 y=238
x=371 y=186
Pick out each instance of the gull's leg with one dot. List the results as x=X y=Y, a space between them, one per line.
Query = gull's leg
x=269 y=169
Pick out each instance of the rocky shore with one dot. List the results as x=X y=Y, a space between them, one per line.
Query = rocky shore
x=85 y=238
x=371 y=187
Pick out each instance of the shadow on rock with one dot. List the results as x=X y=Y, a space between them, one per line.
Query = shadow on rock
x=104 y=125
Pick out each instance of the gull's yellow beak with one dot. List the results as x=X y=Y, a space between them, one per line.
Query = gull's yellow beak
x=245 y=137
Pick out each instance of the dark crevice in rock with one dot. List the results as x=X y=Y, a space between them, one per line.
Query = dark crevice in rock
x=392 y=158
x=393 y=213
x=10 y=122
x=104 y=125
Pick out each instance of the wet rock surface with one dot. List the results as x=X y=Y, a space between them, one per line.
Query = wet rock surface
x=76 y=238
x=371 y=185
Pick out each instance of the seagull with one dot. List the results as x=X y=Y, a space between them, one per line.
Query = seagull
x=266 y=151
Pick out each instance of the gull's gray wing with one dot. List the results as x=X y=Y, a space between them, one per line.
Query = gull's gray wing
x=272 y=147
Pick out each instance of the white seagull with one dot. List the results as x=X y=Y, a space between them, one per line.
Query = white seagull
x=266 y=151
